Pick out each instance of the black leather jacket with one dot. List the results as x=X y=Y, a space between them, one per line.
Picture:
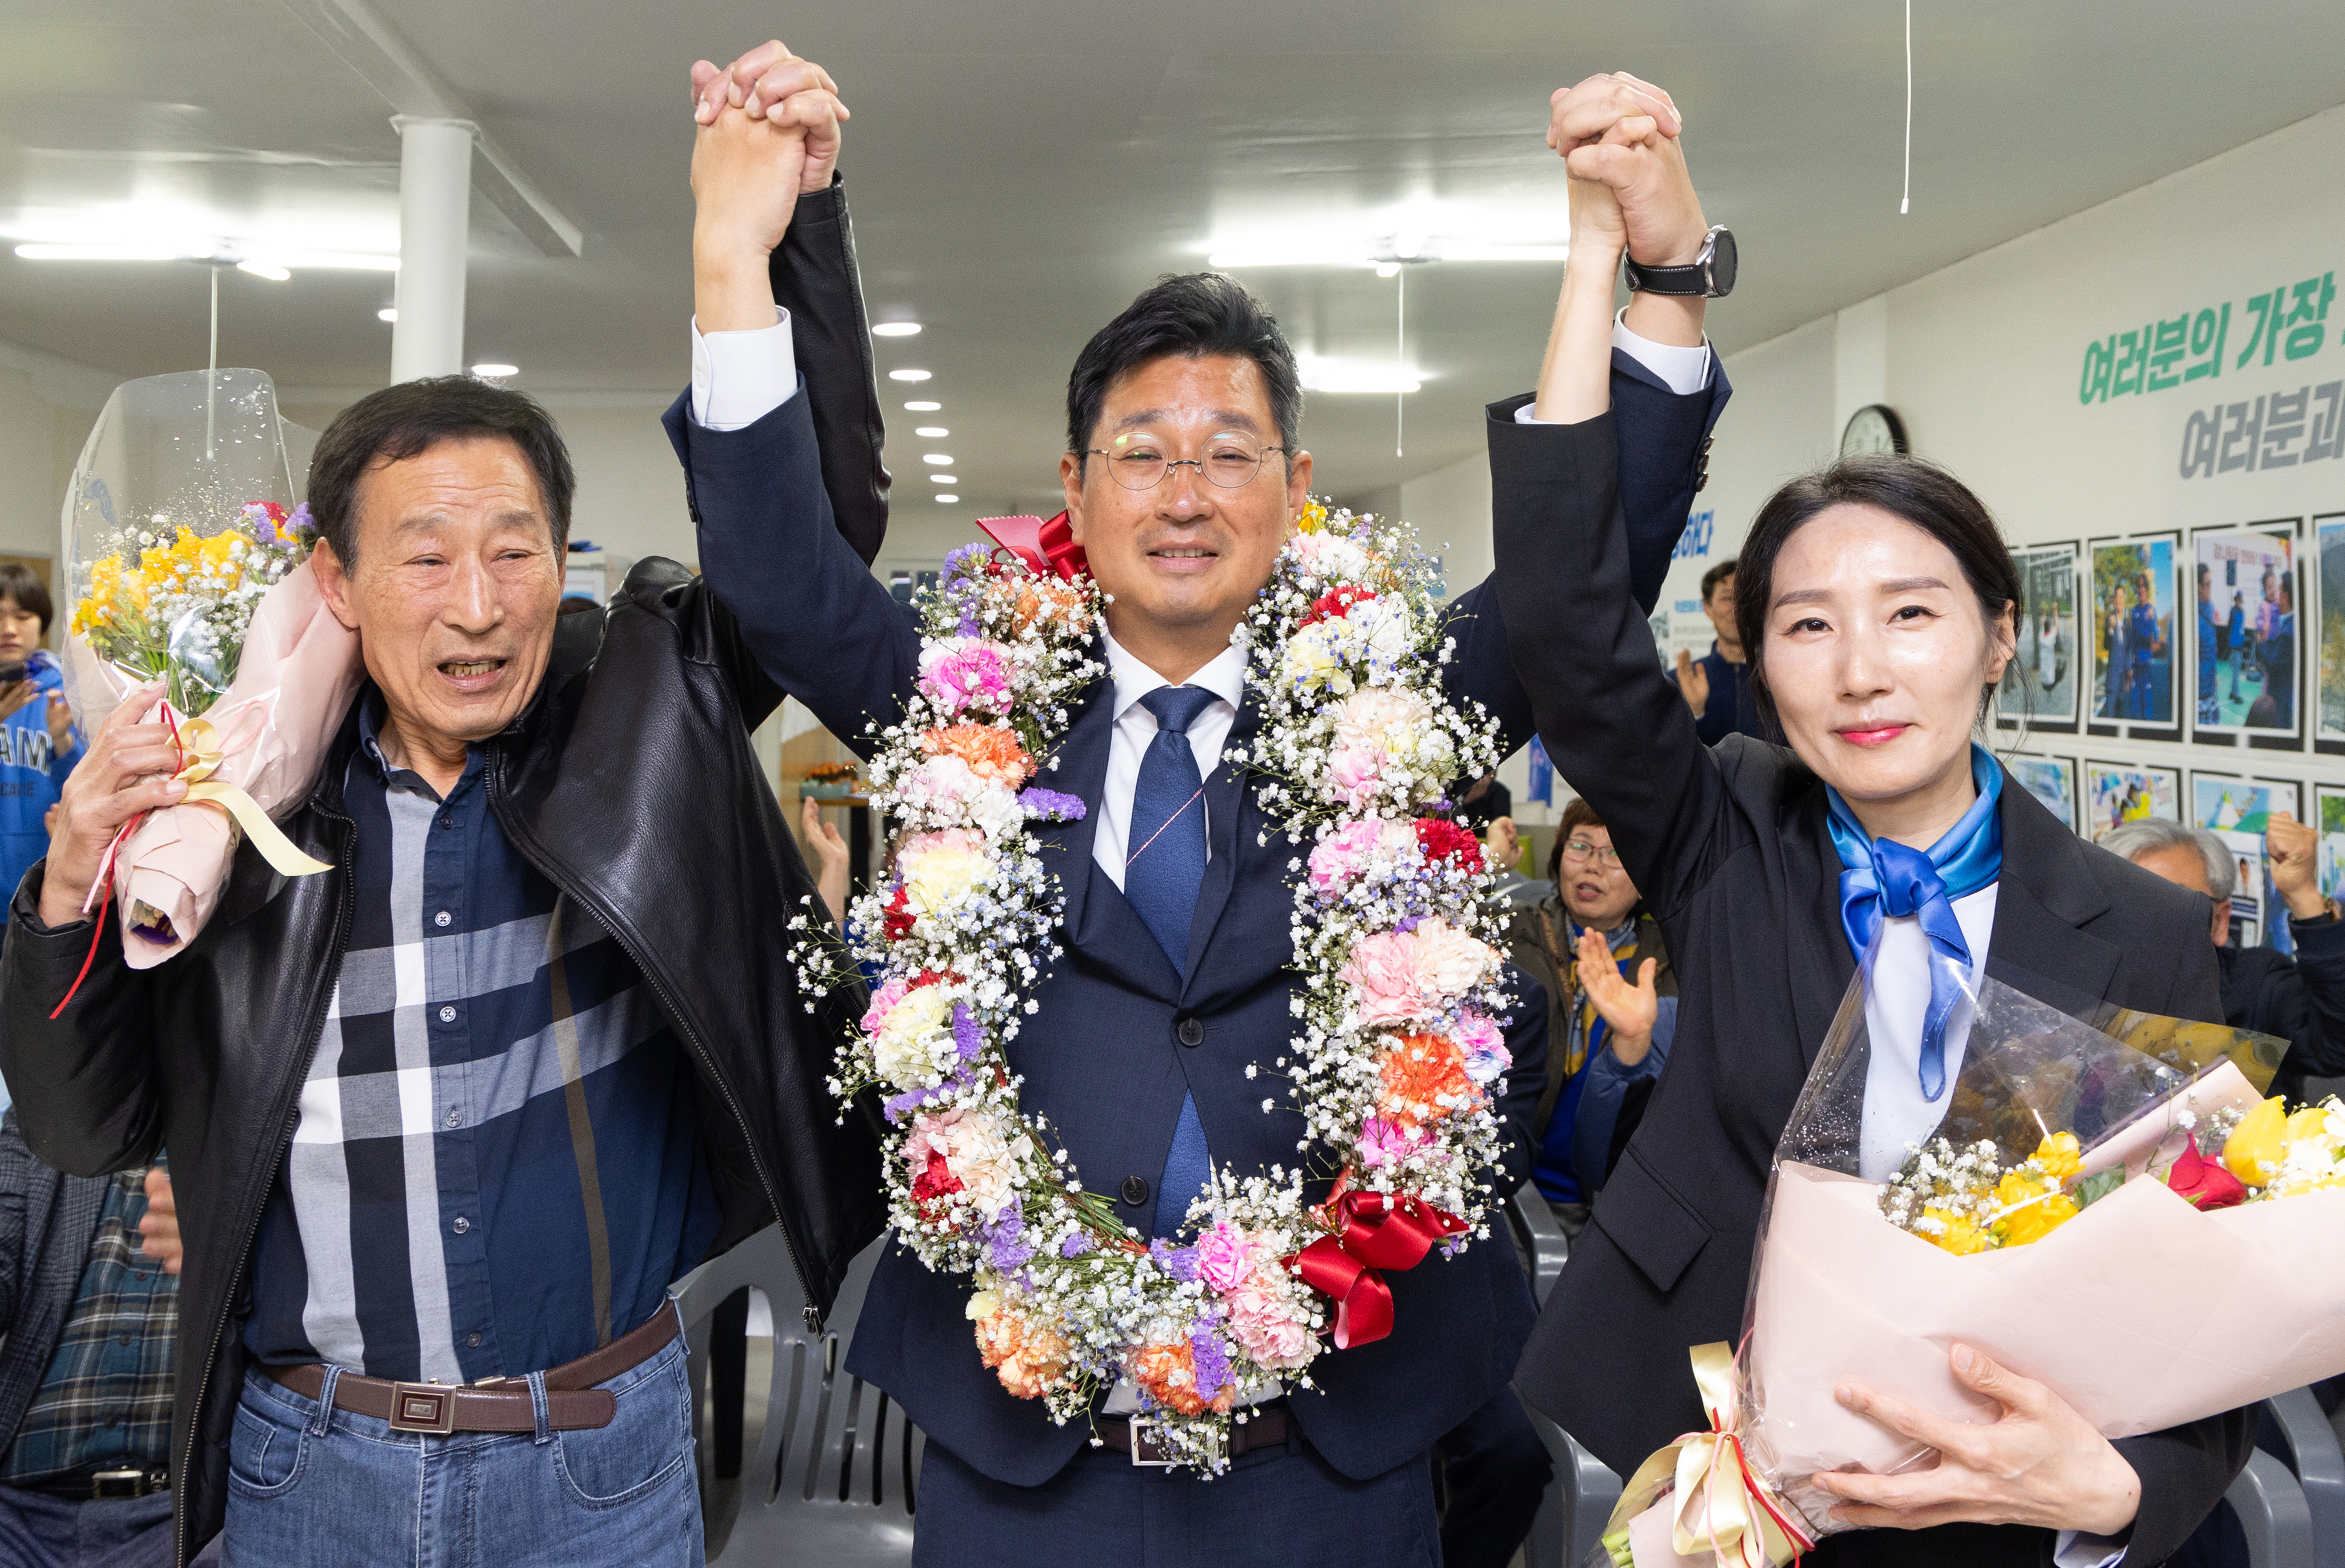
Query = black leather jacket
x=629 y=781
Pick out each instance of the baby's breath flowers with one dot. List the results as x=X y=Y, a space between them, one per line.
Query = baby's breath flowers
x=1397 y=1050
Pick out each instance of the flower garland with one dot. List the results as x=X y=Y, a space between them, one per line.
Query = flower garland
x=1398 y=1048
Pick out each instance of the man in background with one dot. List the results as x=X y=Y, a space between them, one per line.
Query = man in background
x=90 y=1315
x=2301 y=999
x=1717 y=686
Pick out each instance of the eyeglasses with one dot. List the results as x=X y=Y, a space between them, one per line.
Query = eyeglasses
x=1138 y=461
x=1583 y=851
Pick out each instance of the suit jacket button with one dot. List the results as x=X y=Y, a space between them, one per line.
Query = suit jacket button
x=1190 y=1032
x=1136 y=1191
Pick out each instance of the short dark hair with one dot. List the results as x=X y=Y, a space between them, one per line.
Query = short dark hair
x=1919 y=492
x=23 y=585
x=1576 y=815
x=408 y=419
x=1716 y=575
x=1192 y=315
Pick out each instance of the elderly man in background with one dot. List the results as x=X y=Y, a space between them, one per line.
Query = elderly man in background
x=2302 y=999
x=447 y=1118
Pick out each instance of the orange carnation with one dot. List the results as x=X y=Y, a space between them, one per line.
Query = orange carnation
x=1169 y=1373
x=1023 y=1354
x=1424 y=1080
x=990 y=754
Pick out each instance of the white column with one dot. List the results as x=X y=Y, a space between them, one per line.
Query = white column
x=435 y=201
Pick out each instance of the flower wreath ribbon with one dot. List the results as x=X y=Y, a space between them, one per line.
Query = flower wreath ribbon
x=1050 y=548
x=1372 y=1234
x=1716 y=1502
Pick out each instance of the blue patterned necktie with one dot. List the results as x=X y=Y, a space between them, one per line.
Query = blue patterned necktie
x=1164 y=867
x=1884 y=877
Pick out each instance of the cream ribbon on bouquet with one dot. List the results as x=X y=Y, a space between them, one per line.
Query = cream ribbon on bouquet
x=1716 y=1502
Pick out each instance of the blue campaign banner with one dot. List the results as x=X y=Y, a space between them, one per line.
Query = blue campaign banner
x=1542 y=788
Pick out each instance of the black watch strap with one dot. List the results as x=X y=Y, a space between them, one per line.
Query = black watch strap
x=1710 y=275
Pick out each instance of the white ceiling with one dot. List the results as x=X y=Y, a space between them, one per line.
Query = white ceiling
x=1021 y=167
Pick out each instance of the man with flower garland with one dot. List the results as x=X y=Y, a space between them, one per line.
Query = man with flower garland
x=1173 y=989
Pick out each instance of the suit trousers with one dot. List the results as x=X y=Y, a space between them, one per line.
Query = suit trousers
x=1274 y=1508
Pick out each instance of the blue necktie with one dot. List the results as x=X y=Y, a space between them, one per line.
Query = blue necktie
x=1885 y=878
x=1164 y=867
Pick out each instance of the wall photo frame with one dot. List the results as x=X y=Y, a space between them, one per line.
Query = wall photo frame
x=2135 y=586
x=2237 y=809
x=2246 y=648
x=2326 y=571
x=2119 y=792
x=2040 y=691
x=2051 y=780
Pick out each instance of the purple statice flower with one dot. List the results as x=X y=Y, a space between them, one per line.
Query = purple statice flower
x=965 y=562
x=1212 y=1362
x=967 y=1036
x=1181 y=1263
x=1075 y=1246
x=900 y=1109
x=1410 y=924
x=1050 y=806
x=1006 y=1238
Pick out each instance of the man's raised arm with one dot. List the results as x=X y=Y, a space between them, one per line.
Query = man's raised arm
x=809 y=610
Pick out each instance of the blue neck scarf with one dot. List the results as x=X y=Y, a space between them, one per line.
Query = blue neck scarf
x=1885 y=879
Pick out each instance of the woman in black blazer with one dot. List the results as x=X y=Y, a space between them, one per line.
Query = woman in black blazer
x=1876 y=601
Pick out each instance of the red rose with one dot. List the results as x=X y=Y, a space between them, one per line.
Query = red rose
x=1442 y=840
x=2204 y=1182
x=1334 y=603
x=899 y=921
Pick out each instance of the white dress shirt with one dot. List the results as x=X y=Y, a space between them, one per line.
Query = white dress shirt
x=1681 y=369
x=739 y=377
x=1135 y=727
x=1895 y=1114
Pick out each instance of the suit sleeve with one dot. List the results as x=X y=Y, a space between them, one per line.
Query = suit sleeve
x=87 y=1095
x=1617 y=730
x=1662 y=438
x=2318 y=1047
x=807 y=608
x=817 y=280
x=2184 y=1471
x=1518 y=1107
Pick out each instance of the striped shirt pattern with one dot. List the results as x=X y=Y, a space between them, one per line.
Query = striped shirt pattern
x=106 y=1401
x=497 y=1166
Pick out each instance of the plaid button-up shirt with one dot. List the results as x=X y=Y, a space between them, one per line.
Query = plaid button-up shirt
x=498 y=1166
x=106 y=1401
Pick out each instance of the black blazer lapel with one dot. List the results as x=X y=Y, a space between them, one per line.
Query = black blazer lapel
x=1228 y=804
x=1078 y=768
x=2045 y=897
x=1819 y=947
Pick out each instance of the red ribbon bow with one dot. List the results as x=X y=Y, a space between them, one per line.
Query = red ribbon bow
x=1047 y=548
x=1373 y=1234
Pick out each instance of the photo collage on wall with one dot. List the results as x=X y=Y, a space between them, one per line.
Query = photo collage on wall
x=2051 y=780
x=2328 y=545
x=2329 y=865
x=2131 y=689
x=2238 y=810
x=2039 y=690
x=2242 y=629
x=2119 y=792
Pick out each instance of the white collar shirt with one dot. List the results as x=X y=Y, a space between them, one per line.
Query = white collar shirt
x=1135 y=727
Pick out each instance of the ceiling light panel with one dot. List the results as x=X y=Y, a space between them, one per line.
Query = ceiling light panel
x=931 y=432
x=908 y=375
x=918 y=406
x=896 y=330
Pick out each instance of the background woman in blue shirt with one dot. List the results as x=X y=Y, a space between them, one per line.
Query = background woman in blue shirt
x=38 y=743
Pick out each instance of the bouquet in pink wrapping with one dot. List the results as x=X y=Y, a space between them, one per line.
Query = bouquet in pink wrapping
x=191 y=573
x=2079 y=1170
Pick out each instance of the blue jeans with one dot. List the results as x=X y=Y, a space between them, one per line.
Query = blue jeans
x=310 y=1484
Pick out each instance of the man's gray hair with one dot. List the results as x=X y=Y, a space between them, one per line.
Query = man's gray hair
x=2135 y=839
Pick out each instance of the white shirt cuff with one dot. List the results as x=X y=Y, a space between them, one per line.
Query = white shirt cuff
x=1682 y=370
x=2075 y=1549
x=739 y=377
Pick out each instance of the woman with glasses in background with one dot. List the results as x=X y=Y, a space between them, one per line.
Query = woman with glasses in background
x=1612 y=1001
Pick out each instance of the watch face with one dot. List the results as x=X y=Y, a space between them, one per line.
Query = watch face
x=1722 y=262
x=1873 y=430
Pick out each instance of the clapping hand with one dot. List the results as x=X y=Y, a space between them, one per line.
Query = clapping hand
x=830 y=850
x=60 y=717
x=2041 y=1464
x=158 y=1232
x=1693 y=683
x=1629 y=1011
x=2293 y=849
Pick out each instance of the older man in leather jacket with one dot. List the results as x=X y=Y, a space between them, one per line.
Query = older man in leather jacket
x=446 y=1119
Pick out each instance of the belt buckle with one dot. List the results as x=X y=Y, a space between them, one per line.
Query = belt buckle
x=423 y=1407
x=117 y=1484
x=1139 y=1426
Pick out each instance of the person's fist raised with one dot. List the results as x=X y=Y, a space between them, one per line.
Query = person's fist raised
x=1621 y=133
x=2293 y=847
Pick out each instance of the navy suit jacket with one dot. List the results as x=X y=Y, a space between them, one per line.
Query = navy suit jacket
x=1104 y=1059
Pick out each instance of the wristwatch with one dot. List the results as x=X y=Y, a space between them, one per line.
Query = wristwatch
x=1710 y=276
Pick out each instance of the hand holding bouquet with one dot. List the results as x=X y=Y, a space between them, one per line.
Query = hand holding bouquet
x=2078 y=1174
x=191 y=572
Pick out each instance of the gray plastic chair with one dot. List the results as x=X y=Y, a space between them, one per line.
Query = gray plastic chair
x=832 y=1478
x=2271 y=1508
x=2309 y=1446
x=1571 y=1517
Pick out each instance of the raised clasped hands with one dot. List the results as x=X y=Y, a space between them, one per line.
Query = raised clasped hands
x=769 y=133
x=1618 y=138
x=2039 y=1464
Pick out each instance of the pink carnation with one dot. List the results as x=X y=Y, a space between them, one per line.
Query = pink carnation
x=1356 y=770
x=1344 y=855
x=1264 y=1323
x=883 y=1002
x=1224 y=1257
x=1385 y=1142
x=1448 y=962
x=1487 y=1056
x=966 y=674
x=1382 y=972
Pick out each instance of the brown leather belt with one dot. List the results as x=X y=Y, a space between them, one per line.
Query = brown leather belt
x=1266 y=1426
x=573 y=1402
